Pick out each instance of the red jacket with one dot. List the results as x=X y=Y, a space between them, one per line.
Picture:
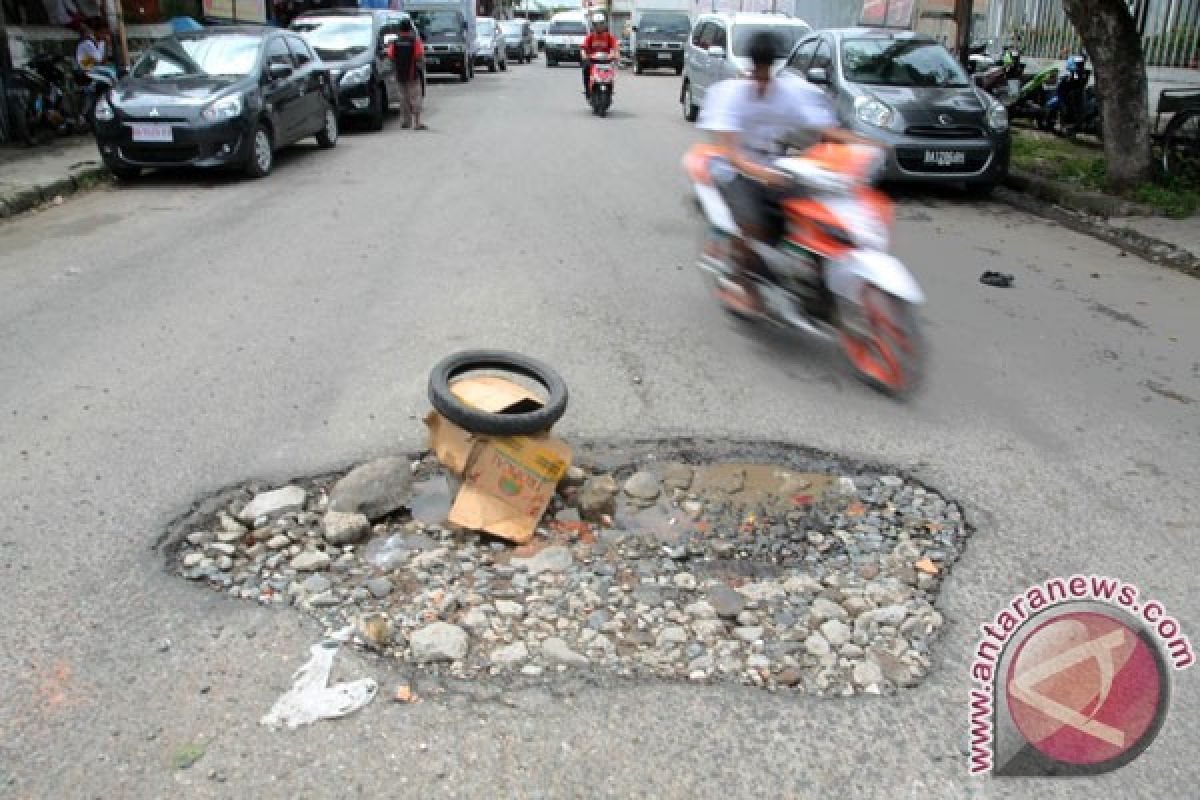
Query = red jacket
x=600 y=43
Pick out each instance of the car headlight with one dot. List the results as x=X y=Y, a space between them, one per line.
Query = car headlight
x=225 y=108
x=104 y=110
x=997 y=117
x=353 y=77
x=873 y=112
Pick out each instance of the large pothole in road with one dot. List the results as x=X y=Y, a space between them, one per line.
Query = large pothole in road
x=769 y=566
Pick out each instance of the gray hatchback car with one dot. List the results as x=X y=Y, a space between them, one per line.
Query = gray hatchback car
x=907 y=92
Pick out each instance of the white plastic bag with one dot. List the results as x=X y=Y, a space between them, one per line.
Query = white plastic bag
x=311 y=699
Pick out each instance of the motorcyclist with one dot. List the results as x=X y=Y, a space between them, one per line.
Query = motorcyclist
x=598 y=42
x=751 y=117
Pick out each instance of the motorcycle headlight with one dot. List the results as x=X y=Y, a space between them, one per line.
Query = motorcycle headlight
x=353 y=77
x=874 y=112
x=997 y=117
x=225 y=108
x=104 y=110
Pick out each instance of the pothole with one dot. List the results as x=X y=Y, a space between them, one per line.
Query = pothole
x=768 y=566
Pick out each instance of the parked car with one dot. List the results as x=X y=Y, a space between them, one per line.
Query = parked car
x=353 y=44
x=658 y=40
x=717 y=50
x=448 y=40
x=518 y=40
x=565 y=38
x=219 y=97
x=539 y=33
x=908 y=92
x=489 y=44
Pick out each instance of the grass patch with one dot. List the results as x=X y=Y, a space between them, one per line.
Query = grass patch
x=1081 y=164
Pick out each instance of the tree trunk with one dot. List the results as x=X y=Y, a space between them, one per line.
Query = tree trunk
x=1110 y=37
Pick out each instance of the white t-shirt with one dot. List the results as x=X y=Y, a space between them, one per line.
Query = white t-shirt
x=88 y=49
x=790 y=104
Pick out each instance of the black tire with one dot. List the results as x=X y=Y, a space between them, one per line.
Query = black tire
x=550 y=62
x=504 y=65
x=378 y=106
x=690 y=111
x=327 y=137
x=124 y=173
x=465 y=75
x=472 y=419
x=679 y=70
x=1181 y=146
x=638 y=69
x=260 y=160
x=981 y=191
x=492 y=65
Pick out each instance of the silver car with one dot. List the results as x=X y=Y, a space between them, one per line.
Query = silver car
x=716 y=50
x=489 y=44
x=518 y=39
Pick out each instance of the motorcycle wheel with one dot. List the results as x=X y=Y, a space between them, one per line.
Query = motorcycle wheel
x=880 y=339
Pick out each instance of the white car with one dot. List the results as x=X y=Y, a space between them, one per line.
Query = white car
x=716 y=50
x=564 y=40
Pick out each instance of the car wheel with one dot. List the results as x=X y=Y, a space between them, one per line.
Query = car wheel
x=124 y=173
x=378 y=106
x=550 y=62
x=638 y=69
x=327 y=137
x=504 y=65
x=690 y=111
x=679 y=70
x=982 y=190
x=262 y=153
x=465 y=75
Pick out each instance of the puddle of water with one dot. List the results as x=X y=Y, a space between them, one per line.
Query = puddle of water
x=391 y=552
x=432 y=499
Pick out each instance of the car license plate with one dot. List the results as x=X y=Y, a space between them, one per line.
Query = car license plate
x=433 y=60
x=152 y=133
x=664 y=56
x=945 y=158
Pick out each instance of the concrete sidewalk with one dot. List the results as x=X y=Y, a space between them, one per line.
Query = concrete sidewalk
x=30 y=176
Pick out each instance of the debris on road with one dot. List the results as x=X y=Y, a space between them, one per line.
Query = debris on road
x=1000 y=280
x=311 y=698
x=769 y=576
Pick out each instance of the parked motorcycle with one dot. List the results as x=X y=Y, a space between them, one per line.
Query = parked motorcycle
x=1030 y=103
x=1074 y=107
x=1003 y=80
x=830 y=274
x=602 y=75
x=97 y=82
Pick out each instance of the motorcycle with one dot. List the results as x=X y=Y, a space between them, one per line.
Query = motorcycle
x=601 y=77
x=829 y=275
x=1030 y=103
x=1003 y=80
x=1074 y=107
x=97 y=82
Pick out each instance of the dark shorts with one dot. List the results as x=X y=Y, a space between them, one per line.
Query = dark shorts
x=754 y=206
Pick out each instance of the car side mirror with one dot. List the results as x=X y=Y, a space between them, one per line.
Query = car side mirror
x=716 y=52
x=278 y=72
x=818 y=75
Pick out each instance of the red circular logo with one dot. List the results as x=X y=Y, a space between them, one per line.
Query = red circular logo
x=1084 y=688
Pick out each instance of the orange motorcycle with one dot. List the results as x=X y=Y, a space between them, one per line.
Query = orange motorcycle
x=829 y=273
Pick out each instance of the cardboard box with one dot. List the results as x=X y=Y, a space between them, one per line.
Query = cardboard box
x=507 y=482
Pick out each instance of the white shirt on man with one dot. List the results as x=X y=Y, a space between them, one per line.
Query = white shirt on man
x=89 y=53
x=790 y=104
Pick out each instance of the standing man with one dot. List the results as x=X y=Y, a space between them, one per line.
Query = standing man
x=407 y=52
x=92 y=50
x=599 y=42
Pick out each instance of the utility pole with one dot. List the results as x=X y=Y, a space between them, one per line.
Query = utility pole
x=962 y=29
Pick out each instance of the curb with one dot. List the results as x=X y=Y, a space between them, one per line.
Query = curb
x=1083 y=221
x=1094 y=203
x=84 y=175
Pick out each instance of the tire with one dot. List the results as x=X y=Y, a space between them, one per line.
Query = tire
x=123 y=173
x=982 y=190
x=550 y=62
x=262 y=153
x=475 y=421
x=891 y=358
x=638 y=69
x=327 y=137
x=690 y=111
x=504 y=65
x=492 y=66
x=465 y=75
x=679 y=70
x=378 y=106
x=1181 y=146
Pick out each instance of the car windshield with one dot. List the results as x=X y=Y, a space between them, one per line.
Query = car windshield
x=336 y=38
x=567 y=28
x=787 y=35
x=888 y=62
x=658 y=22
x=485 y=27
x=437 y=23
x=223 y=55
x=513 y=28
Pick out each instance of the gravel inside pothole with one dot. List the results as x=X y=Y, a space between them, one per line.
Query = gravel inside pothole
x=821 y=581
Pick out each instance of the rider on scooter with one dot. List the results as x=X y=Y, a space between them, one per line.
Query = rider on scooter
x=750 y=118
x=600 y=42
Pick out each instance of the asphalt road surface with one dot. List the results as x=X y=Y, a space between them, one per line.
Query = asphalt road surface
x=167 y=339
